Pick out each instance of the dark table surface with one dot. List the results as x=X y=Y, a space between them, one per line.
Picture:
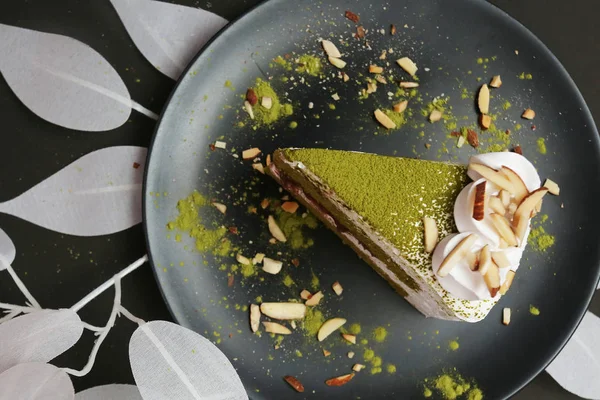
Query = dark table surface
x=59 y=269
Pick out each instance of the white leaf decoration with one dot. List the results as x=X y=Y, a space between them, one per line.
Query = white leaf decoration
x=172 y=362
x=8 y=251
x=38 y=337
x=168 y=35
x=35 y=381
x=64 y=81
x=110 y=392
x=98 y=194
x=577 y=367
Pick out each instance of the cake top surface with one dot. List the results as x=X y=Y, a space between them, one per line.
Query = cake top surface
x=392 y=194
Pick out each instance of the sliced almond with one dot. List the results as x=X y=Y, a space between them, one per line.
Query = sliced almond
x=305 y=294
x=384 y=119
x=349 y=338
x=242 y=260
x=538 y=207
x=457 y=254
x=493 y=176
x=408 y=65
x=350 y=354
x=461 y=141
x=374 y=69
x=258 y=258
x=472 y=260
x=523 y=213
x=479 y=203
x=330 y=49
x=512 y=208
x=266 y=102
x=248 y=108
x=326 y=353
x=400 y=107
x=337 y=288
x=497 y=206
x=295 y=383
x=485 y=121
x=492 y=279
x=383 y=55
x=510 y=276
x=329 y=327
x=337 y=62
x=259 y=167
x=409 y=85
x=504 y=197
x=251 y=153
x=503 y=228
x=435 y=116
x=268 y=162
x=221 y=207
x=528 y=114
x=340 y=380
x=264 y=203
x=500 y=259
x=274 y=327
x=254 y=317
x=483 y=101
x=357 y=367
x=275 y=230
x=283 y=311
x=485 y=260
x=552 y=187
x=519 y=188
x=506 y=316
x=220 y=145
x=345 y=77
x=271 y=266
x=290 y=207
x=503 y=244
x=293 y=324
x=381 y=79
x=431 y=234
x=496 y=82
x=314 y=299
x=371 y=87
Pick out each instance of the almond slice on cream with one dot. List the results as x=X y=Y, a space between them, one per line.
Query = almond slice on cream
x=457 y=254
x=499 y=257
x=479 y=203
x=493 y=176
x=520 y=189
x=485 y=260
x=504 y=230
x=523 y=213
x=507 y=282
x=504 y=197
x=496 y=205
x=492 y=279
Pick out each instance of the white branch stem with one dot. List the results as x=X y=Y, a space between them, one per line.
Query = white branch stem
x=130 y=316
x=22 y=287
x=92 y=328
x=14 y=307
x=10 y=316
x=96 y=292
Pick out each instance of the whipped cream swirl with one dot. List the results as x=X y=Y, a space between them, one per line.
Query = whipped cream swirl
x=461 y=282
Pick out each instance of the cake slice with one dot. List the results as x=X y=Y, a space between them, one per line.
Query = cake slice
x=376 y=205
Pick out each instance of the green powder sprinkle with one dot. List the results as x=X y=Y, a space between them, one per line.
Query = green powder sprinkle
x=309 y=64
x=314 y=281
x=539 y=239
x=298 y=353
x=292 y=226
x=506 y=105
x=391 y=368
x=379 y=334
x=293 y=125
x=248 y=270
x=480 y=61
x=288 y=281
x=312 y=321
x=369 y=355
x=427 y=392
x=268 y=117
x=355 y=329
x=332 y=106
x=398 y=118
x=376 y=362
x=453 y=345
x=541 y=145
x=475 y=394
x=376 y=370
x=229 y=85
x=534 y=310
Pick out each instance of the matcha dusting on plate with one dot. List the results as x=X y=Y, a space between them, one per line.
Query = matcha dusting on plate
x=268 y=116
x=451 y=385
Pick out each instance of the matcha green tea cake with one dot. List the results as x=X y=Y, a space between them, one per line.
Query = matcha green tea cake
x=376 y=204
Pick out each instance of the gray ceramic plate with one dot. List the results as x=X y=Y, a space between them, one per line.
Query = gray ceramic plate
x=445 y=38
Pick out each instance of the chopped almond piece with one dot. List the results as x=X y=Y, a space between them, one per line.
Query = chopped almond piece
x=504 y=197
x=523 y=213
x=295 y=383
x=503 y=228
x=435 y=116
x=274 y=327
x=350 y=354
x=492 y=279
x=485 y=260
x=461 y=141
x=457 y=254
x=340 y=380
x=221 y=207
x=519 y=188
x=528 y=114
x=266 y=102
x=241 y=259
x=431 y=234
x=393 y=30
x=352 y=17
x=258 y=258
x=472 y=138
x=507 y=283
x=400 y=107
x=472 y=260
x=275 y=230
x=330 y=49
x=479 y=203
x=264 y=203
x=329 y=327
x=290 y=207
x=381 y=79
x=506 y=316
x=268 y=160
x=408 y=65
x=259 y=167
x=337 y=288
x=485 y=121
x=374 y=69
x=383 y=55
x=349 y=338
x=409 y=85
x=552 y=187
x=326 y=353
x=220 y=145
x=496 y=82
x=337 y=62
x=497 y=206
x=314 y=299
x=283 y=311
x=357 y=367
x=384 y=119
x=305 y=294
x=493 y=176
x=254 y=317
x=248 y=108
x=272 y=267
x=483 y=101
x=251 y=153
x=500 y=259
x=371 y=87
x=345 y=77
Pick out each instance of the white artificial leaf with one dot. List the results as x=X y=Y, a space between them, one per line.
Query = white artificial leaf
x=172 y=362
x=110 y=392
x=35 y=381
x=8 y=251
x=98 y=194
x=168 y=35
x=577 y=366
x=38 y=337
x=64 y=81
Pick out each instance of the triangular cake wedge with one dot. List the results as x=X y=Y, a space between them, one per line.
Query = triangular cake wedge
x=376 y=204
